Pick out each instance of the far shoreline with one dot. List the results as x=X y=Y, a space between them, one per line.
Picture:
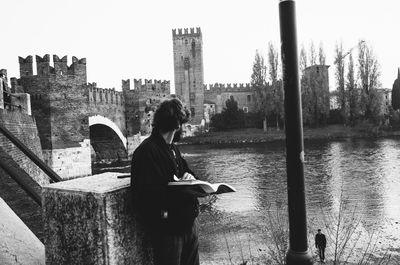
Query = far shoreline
x=253 y=135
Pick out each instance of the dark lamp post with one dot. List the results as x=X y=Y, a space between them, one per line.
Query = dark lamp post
x=298 y=253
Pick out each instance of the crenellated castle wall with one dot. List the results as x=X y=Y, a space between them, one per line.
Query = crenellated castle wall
x=187 y=32
x=152 y=86
x=108 y=103
x=141 y=101
x=230 y=87
x=60 y=67
x=104 y=95
x=217 y=95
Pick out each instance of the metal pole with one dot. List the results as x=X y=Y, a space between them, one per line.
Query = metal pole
x=298 y=248
x=46 y=169
x=14 y=174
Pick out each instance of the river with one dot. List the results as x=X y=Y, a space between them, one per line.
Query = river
x=359 y=176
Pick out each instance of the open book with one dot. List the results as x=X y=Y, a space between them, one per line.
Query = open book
x=202 y=188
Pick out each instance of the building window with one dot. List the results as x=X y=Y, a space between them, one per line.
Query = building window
x=193 y=48
x=192 y=112
x=249 y=98
x=245 y=109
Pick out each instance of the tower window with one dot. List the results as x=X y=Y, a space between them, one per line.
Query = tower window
x=192 y=112
x=193 y=48
x=249 y=98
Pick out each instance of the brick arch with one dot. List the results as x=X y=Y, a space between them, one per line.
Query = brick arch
x=97 y=119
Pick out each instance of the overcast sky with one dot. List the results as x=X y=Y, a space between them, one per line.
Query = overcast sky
x=133 y=39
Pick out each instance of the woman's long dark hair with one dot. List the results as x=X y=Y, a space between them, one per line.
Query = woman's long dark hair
x=169 y=115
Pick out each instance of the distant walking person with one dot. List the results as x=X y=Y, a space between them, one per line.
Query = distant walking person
x=320 y=244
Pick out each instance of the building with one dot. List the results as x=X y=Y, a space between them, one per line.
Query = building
x=188 y=69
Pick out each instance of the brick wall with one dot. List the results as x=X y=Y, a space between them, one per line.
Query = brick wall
x=24 y=128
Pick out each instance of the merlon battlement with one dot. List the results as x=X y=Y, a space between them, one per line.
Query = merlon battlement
x=61 y=67
x=235 y=87
x=186 y=32
x=28 y=59
x=149 y=85
x=104 y=95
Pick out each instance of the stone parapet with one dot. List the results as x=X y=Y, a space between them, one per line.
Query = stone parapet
x=18 y=245
x=89 y=221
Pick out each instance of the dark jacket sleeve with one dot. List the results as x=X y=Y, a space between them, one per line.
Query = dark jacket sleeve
x=183 y=164
x=147 y=181
x=151 y=171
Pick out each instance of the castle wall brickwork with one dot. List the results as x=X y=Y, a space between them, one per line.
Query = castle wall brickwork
x=108 y=103
x=23 y=126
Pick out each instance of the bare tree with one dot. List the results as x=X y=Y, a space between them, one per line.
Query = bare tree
x=313 y=54
x=274 y=90
x=303 y=59
x=321 y=54
x=352 y=93
x=258 y=82
x=339 y=76
x=369 y=78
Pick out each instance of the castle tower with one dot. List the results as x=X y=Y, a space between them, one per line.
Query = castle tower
x=188 y=69
x=60 y=107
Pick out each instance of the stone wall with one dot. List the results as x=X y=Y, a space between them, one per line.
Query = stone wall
x=70 y=162
x=18 y=245
x=89 y=221
x=244 y=95
x=108 y=103
x=23 y=127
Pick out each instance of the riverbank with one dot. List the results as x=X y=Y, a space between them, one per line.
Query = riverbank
x=253 y=135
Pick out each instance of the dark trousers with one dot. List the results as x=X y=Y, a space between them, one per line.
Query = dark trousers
x=172 y=249
x=321 y=252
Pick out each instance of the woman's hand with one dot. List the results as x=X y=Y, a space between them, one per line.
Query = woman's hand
x=186 y=176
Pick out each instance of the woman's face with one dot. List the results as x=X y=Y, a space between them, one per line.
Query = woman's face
x=178 y=134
